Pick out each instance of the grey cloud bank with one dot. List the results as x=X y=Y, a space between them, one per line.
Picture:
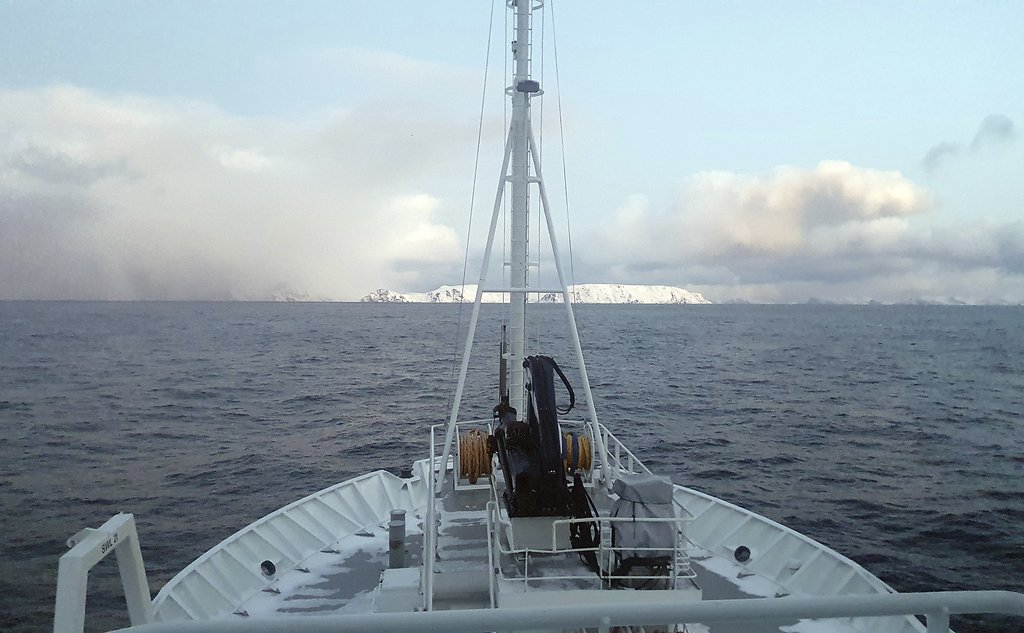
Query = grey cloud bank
x=116 y=197
x=837 y=231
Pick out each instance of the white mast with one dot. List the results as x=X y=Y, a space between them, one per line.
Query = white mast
x=520 y=151
x=522 y=89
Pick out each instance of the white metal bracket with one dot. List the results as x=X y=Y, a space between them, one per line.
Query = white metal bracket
x=89 y=547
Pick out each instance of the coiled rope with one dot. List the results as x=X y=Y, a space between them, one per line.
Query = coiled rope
x=577 y=453
x=474 y=455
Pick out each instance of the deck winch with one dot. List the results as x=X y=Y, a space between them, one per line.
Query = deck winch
x=530 y=451
x=535 y=455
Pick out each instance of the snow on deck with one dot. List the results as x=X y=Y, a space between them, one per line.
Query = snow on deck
x=331 y=548
x=341 y=580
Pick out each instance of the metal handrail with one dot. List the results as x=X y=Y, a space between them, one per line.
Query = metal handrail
x=936 y=606
x=430 y=529
x=616 y=462
x=675 y=551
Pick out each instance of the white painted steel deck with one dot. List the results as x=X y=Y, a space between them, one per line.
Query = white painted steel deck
x=222 y=580
x=328 y=550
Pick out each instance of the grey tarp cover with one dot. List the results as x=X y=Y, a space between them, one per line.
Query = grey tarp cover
x=643 y=496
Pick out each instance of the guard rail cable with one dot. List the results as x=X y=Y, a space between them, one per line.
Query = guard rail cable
x=680 y=561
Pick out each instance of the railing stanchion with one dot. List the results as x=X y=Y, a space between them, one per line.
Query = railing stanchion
x=938 y=621
x=430 y=530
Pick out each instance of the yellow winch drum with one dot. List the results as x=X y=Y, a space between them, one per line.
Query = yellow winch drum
x=474 y=455
x=576 y=452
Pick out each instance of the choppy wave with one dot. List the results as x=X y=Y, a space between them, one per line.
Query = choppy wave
x=892 y=434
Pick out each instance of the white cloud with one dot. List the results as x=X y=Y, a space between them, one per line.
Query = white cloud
x=777 y=213
x=836 y=231
x=126 y=198
x=419 y=239
x=120 y=197
x=241 y=158
x=724 y=214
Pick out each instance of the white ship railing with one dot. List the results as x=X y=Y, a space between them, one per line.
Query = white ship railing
x=438 y=467
x=607 y=555
x=254 y=558
x=936 y=607
x=622 y=460
x=118 y=535
x=430 y=527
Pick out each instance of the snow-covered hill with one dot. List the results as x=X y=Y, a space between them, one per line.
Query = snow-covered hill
x=623 y=293
x=444 y=294
x=582 y=293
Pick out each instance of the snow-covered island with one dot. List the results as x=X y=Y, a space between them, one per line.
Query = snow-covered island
x=582 y=293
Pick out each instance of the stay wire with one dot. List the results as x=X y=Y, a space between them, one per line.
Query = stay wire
x=561 y=136
x=472 y=199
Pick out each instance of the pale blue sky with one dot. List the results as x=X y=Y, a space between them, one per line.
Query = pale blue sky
x=656 y=94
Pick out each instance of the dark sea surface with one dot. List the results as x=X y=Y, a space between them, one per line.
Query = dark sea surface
x=893 y=434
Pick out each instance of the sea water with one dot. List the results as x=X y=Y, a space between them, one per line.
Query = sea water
x=893 y=434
